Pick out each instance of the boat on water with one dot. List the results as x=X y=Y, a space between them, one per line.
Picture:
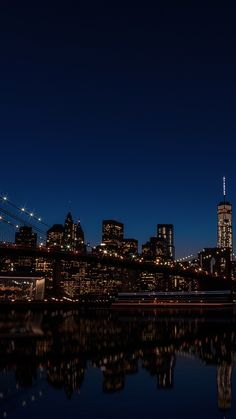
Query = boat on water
x=216 y=298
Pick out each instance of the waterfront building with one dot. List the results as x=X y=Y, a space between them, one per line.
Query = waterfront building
x=25 y=237
x=15 y=287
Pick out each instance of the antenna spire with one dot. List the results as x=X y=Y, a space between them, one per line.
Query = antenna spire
x=224 y=187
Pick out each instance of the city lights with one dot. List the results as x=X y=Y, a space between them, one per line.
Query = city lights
x=77 y=259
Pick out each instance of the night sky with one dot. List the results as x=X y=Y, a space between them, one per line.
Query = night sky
x=120 y=110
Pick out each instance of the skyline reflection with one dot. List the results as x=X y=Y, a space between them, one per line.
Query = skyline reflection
x=60 y=350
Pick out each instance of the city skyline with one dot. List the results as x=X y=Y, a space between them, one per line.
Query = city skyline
x=224 y=232
x=120 y=112
x=117 y=200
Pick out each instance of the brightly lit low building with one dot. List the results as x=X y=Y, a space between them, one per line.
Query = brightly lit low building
x=21 y=288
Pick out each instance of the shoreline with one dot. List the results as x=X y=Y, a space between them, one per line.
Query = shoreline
x=114 y=307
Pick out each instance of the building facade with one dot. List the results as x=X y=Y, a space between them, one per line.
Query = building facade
x=216 y=261
x=78 y=236
x=112 y=235
x=55 y=236
x=155 y=250
x=26 y=237
x=21 y=288
x=130 y=248
x=224 y=226
x=166 y=232
x=68 y=240
x=73 y=238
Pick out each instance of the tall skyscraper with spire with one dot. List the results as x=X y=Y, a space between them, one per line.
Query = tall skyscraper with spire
x=224 y=222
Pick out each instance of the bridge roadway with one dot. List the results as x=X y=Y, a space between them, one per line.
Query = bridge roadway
x=14 y=251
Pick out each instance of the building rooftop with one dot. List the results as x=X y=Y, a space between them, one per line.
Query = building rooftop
x=224 y=203
x=57 y=228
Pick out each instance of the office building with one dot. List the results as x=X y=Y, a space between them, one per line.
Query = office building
x=112 y=235
x=166 y=232
x=68 y=232
x=78 y=237
x=155 y=250
x=216 y=261
x=55 y=236
x=224 y=223
x=67 y=237
x=112 y=231
x=130 y=248
x=25 y=237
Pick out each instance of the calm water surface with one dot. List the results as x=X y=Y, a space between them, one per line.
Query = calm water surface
x=106 y=364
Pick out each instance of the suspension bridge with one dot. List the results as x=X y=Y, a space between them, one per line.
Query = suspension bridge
x=15 y=216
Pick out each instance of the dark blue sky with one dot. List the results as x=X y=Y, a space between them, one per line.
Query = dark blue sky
x=120 y=110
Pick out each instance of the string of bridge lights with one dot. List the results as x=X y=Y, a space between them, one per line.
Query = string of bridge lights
x=6 y=216
x=16 y=226
x=184 y=258
x=8 y=222
x=23 y=210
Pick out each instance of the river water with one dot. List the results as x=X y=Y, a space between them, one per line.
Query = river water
x=108 y=364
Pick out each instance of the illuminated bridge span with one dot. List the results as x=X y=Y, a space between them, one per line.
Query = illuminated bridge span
x=6 y=203
x=15 y=216
x=14 y=251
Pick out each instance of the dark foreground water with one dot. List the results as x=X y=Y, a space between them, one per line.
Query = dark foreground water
x=117 y=365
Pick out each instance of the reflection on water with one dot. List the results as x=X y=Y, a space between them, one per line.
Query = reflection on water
x=60 y=350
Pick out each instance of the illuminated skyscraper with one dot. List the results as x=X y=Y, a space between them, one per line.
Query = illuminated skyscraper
x=166 y=232
x=55 y=236
x=224 y=223
x=68 y=231
x=155 y=249
x=79 y=237
x=130 y=247
x=112 y=235
x=73 y=235
x=112 y=231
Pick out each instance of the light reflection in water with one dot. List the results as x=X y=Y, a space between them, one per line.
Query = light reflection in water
x=56 y=350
